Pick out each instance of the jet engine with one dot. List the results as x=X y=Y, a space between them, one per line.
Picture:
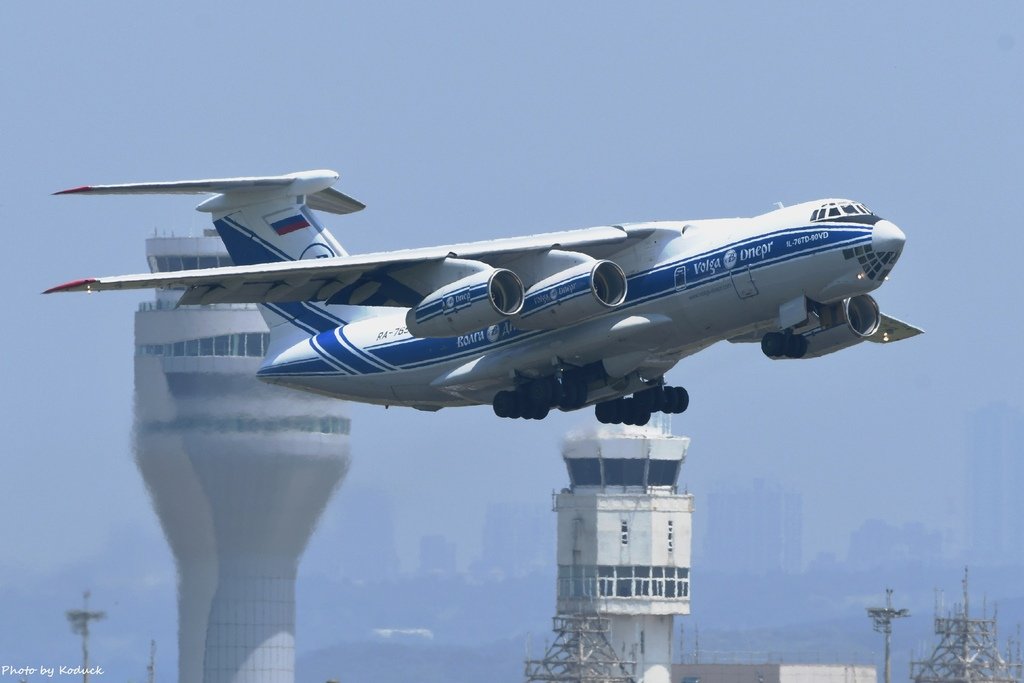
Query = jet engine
x=468 y=304
x=843 y=324
x=572 y=295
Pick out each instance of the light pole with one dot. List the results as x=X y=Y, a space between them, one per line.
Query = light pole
x=882 y=617
x=80 y=619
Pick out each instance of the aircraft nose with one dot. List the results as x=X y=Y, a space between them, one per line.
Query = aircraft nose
x=887 y=237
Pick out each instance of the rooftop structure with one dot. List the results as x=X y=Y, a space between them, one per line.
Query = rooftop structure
x=238 y=471
x=773 y=672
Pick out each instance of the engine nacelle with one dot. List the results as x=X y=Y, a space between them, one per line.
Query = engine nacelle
x=843 y=324
x=466 y=305
x=572 y=295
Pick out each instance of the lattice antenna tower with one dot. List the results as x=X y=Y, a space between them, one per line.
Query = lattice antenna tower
x=581 y=653
x=79 y=619
x=883 y=618
x=968 y=650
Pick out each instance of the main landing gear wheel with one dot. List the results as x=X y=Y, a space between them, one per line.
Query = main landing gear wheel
x=638 y=409
x=504 y=404
x=536 y=412
x=572 y=395
x=796 y=346
x=533 y=400
x=677 y=400
x=784 y=345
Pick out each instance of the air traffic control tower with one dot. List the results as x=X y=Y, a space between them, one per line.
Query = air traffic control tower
x=623 y=557
x=239 y=472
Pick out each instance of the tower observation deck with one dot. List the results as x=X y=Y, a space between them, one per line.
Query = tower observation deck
x=238 y=471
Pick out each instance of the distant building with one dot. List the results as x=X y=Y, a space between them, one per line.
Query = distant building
x=773 y=672
x=754 y=530
x=367 y=535
x=877 y=543
x=995 y=482
x=437 y=556
x=517 y=539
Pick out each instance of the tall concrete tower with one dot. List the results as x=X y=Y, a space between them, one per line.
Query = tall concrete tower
x=624 y=540
x=238 y=471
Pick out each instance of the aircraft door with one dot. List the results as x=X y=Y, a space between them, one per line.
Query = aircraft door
x=743 y=282
x=680 y=278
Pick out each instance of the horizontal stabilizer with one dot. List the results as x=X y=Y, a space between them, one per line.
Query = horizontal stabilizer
x=211 y=186
x=891 y=329
x=332 y=201
x=314 y=184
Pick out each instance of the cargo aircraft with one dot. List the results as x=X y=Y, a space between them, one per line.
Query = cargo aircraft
x=526 y=324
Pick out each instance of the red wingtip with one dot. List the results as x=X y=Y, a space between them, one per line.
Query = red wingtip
x=75 y=190
x=69 y=286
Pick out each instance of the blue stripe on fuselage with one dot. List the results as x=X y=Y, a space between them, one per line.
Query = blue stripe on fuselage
x=335 y=345
x=306 y=366
x=752 y=253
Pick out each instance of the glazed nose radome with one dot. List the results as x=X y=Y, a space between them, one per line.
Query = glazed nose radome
x=887 y=237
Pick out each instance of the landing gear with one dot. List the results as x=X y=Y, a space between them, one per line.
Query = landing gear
x=571 y=394
x=638 y=409
x=784 y=345
x=506 y=404
x=568 y=390
x=535 y=399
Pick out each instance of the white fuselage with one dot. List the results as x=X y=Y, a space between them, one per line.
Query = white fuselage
x=690 y=284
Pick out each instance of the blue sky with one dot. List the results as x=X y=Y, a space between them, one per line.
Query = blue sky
x=459 y=121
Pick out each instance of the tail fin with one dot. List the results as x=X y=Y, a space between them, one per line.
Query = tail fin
x=262 y=220
x=267 y=225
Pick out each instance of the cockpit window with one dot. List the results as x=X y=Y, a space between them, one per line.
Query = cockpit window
x=836 y=209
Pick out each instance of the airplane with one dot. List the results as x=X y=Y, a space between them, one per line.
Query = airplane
x=563 y=320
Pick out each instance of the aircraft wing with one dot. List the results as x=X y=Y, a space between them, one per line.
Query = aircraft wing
x=891 y=329
x=320 y=279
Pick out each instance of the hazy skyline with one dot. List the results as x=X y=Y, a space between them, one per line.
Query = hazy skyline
x=457 y=122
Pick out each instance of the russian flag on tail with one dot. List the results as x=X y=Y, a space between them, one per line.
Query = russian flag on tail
x=290 y=224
